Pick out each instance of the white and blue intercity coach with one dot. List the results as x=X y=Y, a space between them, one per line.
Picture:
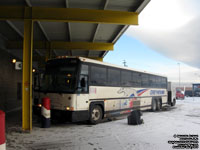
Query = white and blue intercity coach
x=86 y=89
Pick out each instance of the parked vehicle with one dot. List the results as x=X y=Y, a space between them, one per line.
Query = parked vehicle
x=188 y=93
x=180 y=94
x=85 y=89
x=196 y=90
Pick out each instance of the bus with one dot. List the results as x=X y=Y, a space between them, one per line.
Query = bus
x=196 y=89
x=85 y=89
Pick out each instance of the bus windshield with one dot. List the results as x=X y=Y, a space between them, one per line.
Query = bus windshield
x=59 y=78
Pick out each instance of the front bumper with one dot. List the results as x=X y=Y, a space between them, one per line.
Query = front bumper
x=71 y=116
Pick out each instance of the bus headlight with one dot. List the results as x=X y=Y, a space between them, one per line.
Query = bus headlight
x=69 y=108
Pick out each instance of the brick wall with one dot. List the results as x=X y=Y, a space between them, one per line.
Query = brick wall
x=10 y=83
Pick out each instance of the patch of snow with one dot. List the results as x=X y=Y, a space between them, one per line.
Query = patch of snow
x=154 y=134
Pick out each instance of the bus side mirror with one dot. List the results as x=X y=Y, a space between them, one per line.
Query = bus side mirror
x=83 y=82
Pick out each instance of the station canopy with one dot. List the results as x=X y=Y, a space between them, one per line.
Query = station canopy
x=87 y=28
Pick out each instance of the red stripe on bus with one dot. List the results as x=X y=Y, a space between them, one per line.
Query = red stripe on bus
x=142 y=92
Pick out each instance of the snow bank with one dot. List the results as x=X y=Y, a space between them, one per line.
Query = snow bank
x=154 y=134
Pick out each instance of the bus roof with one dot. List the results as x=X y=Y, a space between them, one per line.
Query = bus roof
x=83 y=59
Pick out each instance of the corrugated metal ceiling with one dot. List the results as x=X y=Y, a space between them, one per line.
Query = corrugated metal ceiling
x=69 y=32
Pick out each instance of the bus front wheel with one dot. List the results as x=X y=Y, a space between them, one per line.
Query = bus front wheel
x=95 y=114
x=158 y=104
x=153 y=105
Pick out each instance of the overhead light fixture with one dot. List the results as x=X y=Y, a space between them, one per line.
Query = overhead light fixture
x=69 y=75
x=33 y=70
x=14 y=61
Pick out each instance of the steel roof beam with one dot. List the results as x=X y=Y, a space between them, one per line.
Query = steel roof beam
x=64 y=45
x=141 y=7
x=43 y=31
x=68 y=15
x=3 y=37
x=68 y=26
x=39 y=24
x=38 y=52
x=42 y=59
x=18 y=32
x=28 y=3
x=98 y=26
x=15 y=28
x=96 y=58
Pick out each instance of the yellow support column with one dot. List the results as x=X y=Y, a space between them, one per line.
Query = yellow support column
x=27 y=76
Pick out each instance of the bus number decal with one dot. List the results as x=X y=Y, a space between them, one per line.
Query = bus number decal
x=93 y=90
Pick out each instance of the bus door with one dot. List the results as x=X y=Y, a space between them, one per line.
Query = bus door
x=83 y=90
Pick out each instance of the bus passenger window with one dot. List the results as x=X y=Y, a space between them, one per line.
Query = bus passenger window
x=136 y=79
x=158 y=82
x=113 y=77
x=126 y=78
x=152 y=81
x=145 y=80
x=98 y=75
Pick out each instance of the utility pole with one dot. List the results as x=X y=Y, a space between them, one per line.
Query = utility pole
x=124 y=62
x=179 y=74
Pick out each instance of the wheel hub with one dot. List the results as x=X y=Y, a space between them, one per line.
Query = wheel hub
x=95 y=114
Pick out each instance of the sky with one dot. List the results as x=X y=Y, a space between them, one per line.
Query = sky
x=165 y=41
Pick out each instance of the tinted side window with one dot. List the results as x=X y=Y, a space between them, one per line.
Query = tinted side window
x=136 y=79
x=145 y=80
x=158 y=82
x=152 y=81
x=98 y=75
x=113 y=77
x=126 y=78
x=164 y=83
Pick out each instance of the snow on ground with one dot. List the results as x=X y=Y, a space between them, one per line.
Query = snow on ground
x=154 y=134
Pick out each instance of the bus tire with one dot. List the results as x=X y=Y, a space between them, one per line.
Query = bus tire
x=95 y=114
x=173 y=103
x=158 y=104
x=153 y=105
